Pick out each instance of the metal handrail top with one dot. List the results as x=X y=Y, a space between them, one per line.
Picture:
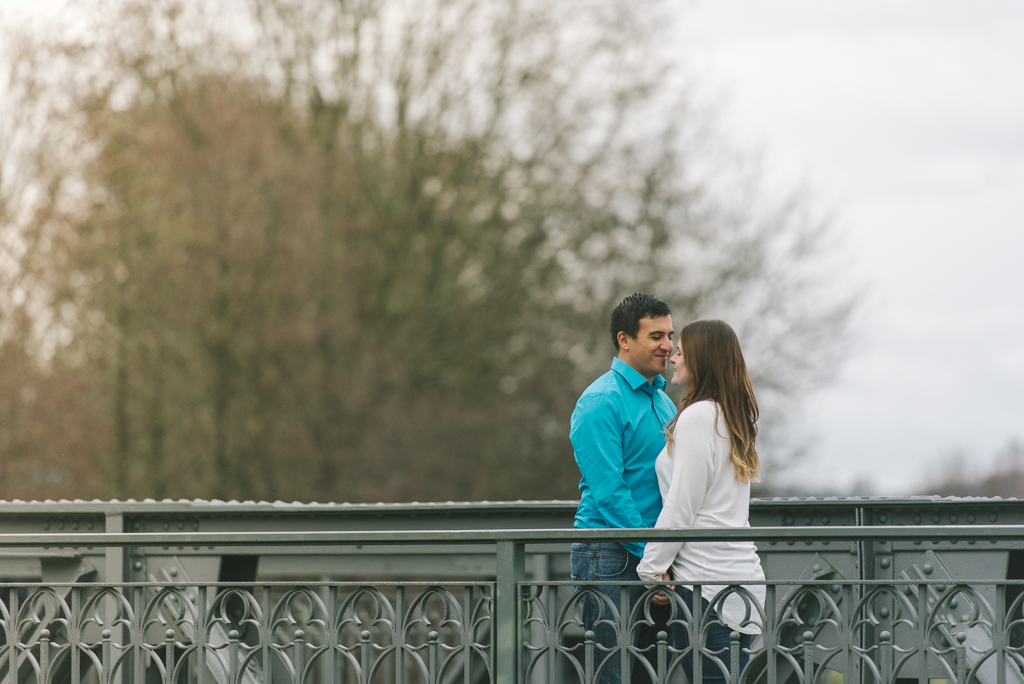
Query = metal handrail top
x=533 y=536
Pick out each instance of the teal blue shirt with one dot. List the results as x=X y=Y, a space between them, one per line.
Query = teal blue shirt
x=617 y=431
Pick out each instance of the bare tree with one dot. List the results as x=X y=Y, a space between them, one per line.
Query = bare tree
x=963 y=474
x=367 y=250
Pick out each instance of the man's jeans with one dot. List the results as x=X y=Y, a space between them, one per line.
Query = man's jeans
x=608 y=561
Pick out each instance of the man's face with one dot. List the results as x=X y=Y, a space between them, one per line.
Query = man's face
x=648 y=352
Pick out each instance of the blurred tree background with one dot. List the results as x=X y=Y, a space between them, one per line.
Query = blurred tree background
x=961 y=473
x=364 y=250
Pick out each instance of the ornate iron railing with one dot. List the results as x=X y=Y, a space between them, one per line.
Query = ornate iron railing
x=220 y=634
x=927 y=623
x=814 y=631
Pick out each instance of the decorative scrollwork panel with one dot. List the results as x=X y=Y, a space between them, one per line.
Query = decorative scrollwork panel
x=312 y=634
x=811 y=632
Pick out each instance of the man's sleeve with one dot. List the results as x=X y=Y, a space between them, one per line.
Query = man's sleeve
x=596 y=436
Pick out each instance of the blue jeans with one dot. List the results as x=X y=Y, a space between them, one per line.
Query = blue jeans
x=718 y=642
x=609 y=561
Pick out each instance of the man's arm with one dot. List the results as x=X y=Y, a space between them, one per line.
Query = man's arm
x=596 y=436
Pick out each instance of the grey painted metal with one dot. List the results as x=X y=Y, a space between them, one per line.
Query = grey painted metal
x=511 y=562
x=269 y=539
x=198 y=515
x=854 y=543
x=872 y=629
x=331 y=633
x=453 y=561
x=814 y=633
x=240 y=635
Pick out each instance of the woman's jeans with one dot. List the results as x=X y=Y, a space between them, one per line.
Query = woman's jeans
x=717 y=644
x=609 y=561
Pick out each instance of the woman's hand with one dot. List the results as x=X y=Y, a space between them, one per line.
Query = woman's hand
x=661 y=598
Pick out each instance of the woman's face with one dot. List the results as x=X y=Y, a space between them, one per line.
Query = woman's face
x=680 y=377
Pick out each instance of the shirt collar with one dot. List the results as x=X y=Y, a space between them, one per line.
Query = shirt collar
x=633 y=377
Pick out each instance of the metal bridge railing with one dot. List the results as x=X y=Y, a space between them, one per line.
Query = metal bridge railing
x=867 y=631
x=931 y=622
x=221 y=633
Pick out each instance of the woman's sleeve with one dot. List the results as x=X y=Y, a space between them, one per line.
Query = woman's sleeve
x=692 y=472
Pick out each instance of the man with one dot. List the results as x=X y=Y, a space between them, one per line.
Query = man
x=617 y=432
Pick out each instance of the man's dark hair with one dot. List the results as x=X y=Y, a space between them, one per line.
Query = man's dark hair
x=626 y=316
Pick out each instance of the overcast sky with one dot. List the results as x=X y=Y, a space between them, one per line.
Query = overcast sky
x=907 y=119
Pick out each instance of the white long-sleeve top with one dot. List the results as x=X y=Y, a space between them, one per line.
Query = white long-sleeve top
x=699 y=489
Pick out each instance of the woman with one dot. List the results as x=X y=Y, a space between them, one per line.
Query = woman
x=704 y=473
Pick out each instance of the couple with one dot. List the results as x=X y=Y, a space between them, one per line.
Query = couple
x=646 y=463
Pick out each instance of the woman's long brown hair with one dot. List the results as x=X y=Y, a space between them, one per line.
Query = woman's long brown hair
x=714 y=360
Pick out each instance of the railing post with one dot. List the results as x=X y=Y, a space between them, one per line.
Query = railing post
x=169 y=650
x=885 y=656
x=114 y=573
x=135 y=631
x=511 y=566
x=809 y=657
x=435 y=657
x=75 y=637
x=233 y=637
x=961 y=658
x=44 y=656
x=768 y=633
x=106 y=659
x=696 y=633
x=201 y=637
x=366 y=656
x=734 y=656
x=11 y=635
x=588 y=657
x=398 y=636
x=114 y=558
x=662 y=657
x=267 y=635
x=999 y=635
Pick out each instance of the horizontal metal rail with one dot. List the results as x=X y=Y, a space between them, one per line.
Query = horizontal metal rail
x=533 y=583
x=344 y=538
